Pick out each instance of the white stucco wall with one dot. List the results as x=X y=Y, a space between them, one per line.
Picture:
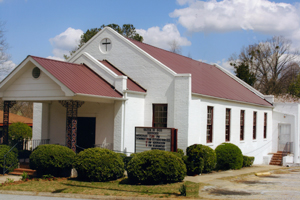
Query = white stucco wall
x=288 y=113
x=198 y=125
x=134 y=116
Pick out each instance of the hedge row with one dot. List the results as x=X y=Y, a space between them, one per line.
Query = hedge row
x=149 y=167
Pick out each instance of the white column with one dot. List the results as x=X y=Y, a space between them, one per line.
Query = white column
x=119 y=114
x=40 y=121
x=182 y=98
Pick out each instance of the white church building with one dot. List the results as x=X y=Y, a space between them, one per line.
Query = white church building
x=113 y=84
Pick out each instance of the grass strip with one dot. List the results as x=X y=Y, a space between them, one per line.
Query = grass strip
x=120 y=187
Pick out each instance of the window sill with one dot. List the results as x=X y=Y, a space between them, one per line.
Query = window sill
x=209 y=144
x=242 y=141
x=254 y=140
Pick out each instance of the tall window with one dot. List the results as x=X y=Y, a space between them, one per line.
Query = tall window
x=227 y=128
x=265 y=125
x=209 y=131
x=160 y=114
x=242 y=123
x=254 y=125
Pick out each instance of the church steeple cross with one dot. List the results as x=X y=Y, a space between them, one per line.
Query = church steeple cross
x=106 y=43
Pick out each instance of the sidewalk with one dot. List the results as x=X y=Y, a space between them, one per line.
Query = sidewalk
x=217 y=175
x=6 y=177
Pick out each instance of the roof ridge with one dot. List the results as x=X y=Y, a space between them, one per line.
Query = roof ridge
x=66 y=62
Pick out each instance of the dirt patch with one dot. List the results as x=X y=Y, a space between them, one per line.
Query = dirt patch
x=221 y=192
x=269 y=176
x=255 y=182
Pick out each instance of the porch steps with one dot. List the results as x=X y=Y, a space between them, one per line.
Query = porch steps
x=19 y=171
x=276 y=158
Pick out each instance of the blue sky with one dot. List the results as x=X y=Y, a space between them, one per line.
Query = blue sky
x=209 y=30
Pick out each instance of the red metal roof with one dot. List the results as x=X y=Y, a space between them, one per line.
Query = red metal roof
x=78 y=78
x=206 y=79
x=131 y=84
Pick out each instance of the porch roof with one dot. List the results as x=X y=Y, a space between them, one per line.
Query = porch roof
x=79 y=78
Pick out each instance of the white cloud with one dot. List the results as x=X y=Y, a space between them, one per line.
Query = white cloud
x=231 y=15
x=65 y=42
x=56 y=58
x=5 y=68
x=162 y=38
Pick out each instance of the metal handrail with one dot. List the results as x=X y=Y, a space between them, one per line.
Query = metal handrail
x=4 y=157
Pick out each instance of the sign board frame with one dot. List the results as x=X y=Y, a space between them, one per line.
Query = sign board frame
x=152 y=135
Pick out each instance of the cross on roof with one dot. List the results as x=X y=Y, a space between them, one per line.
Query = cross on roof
x=106 y=43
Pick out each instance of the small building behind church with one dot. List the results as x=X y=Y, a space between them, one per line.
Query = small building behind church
x=113 y=85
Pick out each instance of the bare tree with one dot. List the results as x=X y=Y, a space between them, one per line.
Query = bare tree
x=24 y=109
x=175 y=47
x=273 y=62
x=3 y=45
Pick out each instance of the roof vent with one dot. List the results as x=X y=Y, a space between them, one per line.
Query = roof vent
x=36 y=72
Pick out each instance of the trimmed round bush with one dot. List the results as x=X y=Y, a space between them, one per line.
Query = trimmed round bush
x=229 y=156
x=179 y=153
x=156 y=166
x=52 y=159
x=200 y=159
x=97 y=164
x=11 y=160
x=248 y=161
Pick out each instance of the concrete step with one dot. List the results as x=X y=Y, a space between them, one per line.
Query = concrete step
x=19 y=171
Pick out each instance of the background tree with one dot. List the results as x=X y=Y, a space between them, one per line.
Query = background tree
x=3 y=47
x=24 y=109
x=127 y=30
x=243 y=72
x=175 y=47
x=273 y=63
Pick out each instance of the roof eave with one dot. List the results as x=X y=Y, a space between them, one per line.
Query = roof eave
x=231 y=100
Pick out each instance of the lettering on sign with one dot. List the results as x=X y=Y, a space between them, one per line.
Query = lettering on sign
x=152 y=138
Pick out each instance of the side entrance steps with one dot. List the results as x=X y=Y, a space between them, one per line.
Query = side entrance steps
x=19 y=171
x=276 y=159
x=23 y=167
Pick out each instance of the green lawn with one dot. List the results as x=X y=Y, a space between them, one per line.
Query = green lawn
x=119 y=187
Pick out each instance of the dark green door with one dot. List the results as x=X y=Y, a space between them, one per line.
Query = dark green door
x=86 y=127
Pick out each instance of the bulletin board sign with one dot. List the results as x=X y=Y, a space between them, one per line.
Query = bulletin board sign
x=150 y=138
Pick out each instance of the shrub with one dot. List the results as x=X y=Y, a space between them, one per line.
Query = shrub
x=200 y=158
x=125 y=159
x=97 y=164
x=179 y=153
x=156 y=166
x=248 y=161
x=11 y=160
x=229 y=156
x=52 y=159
